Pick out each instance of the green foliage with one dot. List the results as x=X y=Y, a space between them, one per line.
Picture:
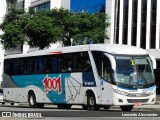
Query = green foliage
x=40 y=28
x=12 y=27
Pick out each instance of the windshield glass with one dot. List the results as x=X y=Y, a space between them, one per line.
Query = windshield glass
x=136 y=71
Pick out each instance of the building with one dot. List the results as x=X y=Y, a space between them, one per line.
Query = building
x=133 y=22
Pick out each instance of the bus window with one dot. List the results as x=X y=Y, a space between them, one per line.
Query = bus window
x=9 y=67
x=103 y=66
x=83 y=63
x=17 y=67
x=32 y=66
x=25 y=66
x=50 y=65
x=66 y=62
x=39 y=65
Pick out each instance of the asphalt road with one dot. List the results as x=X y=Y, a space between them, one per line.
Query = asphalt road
x=50 y=112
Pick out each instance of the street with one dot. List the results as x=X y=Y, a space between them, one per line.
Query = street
x=20 y=111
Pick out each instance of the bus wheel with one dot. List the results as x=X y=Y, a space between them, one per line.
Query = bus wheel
x=32 y=100
x=106 y=107
x=40 y=105
x=64 y=106
x=12 y=103
x=91 y=102
x=85 y=107
x=126 y=108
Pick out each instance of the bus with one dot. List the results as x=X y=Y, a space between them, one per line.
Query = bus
x=94 y=76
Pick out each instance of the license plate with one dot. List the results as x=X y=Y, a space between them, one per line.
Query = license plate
x=138 y=104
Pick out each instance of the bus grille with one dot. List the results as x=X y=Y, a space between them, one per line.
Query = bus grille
x=137 y=100
x=138 y=95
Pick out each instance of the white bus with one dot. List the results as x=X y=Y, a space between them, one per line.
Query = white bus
x=94 y=76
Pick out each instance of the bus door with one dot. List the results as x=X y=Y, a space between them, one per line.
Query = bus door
x=103 y=66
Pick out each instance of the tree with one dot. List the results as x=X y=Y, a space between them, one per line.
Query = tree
x=12 y=27
x=92 y=27
x=41 y=28
x=67 y=23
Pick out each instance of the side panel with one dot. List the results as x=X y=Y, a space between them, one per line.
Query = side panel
x=73 y=88
x=48 y=88
x=107 y=93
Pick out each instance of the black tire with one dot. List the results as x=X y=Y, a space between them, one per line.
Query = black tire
x=91 y=102
x=126 y=108
x=12 y=103
x=3 y=103
x=84 y=107
x=32 y=101
x=64 y=106
x=106 y=107
x=40 y=105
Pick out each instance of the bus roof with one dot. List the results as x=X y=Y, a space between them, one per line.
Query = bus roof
x=109 y=48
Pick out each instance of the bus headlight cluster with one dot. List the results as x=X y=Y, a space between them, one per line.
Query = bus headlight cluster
x=152 y=92
x=120 y=92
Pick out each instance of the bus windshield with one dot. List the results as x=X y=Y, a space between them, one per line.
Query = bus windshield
x=134 y=71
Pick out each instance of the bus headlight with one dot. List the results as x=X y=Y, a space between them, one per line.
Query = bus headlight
x=120 y=92
x=152 y=92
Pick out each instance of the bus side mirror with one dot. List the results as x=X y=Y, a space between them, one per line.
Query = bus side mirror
x=153 y=61
x=112 y=60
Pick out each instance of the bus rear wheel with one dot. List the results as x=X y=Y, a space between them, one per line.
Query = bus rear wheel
x=126 y=108
x=85 y=107
x=106 y=107
x=64 y=106
x=91 y=102
x=32 y=101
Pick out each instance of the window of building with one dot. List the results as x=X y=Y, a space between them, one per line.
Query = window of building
x=91 y=6
x=153 y=23
x=143 y=23
x=116 y=25
x=45 y=6
x=125 y=21
x=134 y=22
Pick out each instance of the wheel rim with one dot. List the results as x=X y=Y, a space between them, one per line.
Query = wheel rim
x=91 y=101
x=31 y=100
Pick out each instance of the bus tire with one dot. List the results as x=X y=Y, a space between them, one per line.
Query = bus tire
x=64 y=106
x=106 y=107
x=32 y=100
x=126 y=108
x=84 y=107
x=91 y=102
x=12 y=103
x=40 y=105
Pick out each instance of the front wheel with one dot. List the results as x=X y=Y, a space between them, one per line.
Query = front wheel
x=126 y=108
x=91 y=102
x=32 y=101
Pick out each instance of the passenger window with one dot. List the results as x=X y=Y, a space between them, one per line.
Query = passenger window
x=51 y=65
x=39 y=65
x=67 y=63
x=83 y=63
x=25 y=66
